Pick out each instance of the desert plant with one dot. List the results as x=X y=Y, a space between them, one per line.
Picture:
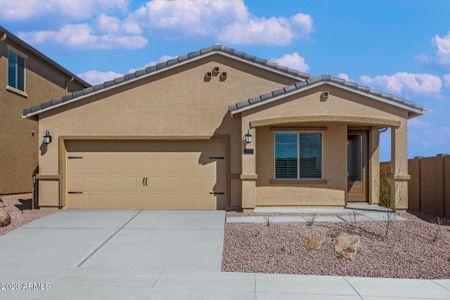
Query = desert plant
x=310 y=219
x=353 y=216
x=268 y=220
x=391 y=217
x=385 y=183
x=448 y=258
x=334 y=231
x=437 y=232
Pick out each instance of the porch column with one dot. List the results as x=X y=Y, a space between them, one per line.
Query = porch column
x=399 y=165
x=374 y=165
x=248 y=175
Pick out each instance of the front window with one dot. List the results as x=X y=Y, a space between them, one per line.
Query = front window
x=298 y=155
x=16 y=71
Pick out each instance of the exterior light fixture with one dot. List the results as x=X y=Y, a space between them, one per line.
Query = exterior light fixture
x=47 y=137
x=248 y=138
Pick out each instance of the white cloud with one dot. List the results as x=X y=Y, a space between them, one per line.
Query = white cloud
x=343 y=76
x=447 y=79
x=293 y=60
x=417 y=123
x=261 y=31
x=406 y=82
x=95 y=77
x=227 y=21
x=80 y=9
x=84 y=36
x=443 y=49
x=190 y=17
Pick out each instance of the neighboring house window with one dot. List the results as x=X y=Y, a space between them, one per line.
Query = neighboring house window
x=298 y=155
x=16 y=71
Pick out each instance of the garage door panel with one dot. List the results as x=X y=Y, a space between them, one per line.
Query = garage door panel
x=126 y=200
x=151 y=175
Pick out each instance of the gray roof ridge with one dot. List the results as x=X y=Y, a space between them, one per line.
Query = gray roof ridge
x=258 y=100
x=218 y=48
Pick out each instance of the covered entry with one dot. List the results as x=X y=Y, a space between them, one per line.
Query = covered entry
x=105 y=174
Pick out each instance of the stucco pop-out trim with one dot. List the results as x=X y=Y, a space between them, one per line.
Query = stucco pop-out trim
x=279 y=94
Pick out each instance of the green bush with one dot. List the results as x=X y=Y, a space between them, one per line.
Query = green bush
x=386 y=186
x=334 y=231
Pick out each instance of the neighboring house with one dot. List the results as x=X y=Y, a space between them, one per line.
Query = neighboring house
x=27 y=77
x=181 y=135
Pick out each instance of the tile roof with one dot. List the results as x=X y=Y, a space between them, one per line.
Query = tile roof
x=34 y=110
x=314 y=81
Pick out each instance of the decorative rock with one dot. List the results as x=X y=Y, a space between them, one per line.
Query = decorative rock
x=5 y=218
x=315 y=243
x=347 y=246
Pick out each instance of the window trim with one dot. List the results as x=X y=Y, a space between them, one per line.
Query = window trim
x=25 y=58
x=299 y=179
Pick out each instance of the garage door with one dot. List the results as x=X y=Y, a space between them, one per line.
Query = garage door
x=145 y=175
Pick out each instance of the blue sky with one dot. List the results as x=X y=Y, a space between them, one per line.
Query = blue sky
x=401 y=47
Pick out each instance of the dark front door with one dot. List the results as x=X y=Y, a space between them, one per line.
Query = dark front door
x=357 y=166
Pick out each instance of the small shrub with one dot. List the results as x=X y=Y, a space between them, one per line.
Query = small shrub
x=386 y=185
x=353 y=216
x=310 y=219
x=268 y=220
x=334 y=231
x=390 y=219
x=437 y=232
x=448 y=259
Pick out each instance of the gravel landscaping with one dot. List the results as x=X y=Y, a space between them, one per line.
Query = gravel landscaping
x=19 y=208
x=416 y=248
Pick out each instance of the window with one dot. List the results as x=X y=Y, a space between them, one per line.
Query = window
x=16 y=70
x=298 y=155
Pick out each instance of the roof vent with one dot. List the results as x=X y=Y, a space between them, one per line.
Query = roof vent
x=223 y=76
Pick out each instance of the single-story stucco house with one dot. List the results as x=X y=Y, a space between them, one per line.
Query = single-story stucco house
x=215 y=129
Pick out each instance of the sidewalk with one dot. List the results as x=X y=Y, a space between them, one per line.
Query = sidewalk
x=236 y=286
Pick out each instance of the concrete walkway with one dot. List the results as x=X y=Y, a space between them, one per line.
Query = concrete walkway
x=333 y=215
x=162 y=255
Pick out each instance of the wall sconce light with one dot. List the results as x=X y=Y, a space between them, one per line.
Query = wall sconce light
x=47 y=137
x=248 y=138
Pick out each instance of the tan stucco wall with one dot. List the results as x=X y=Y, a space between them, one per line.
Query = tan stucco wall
x=18 y=146
x=307 y=104
x=178 y=102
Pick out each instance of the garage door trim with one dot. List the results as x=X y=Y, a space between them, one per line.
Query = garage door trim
x=63 y=154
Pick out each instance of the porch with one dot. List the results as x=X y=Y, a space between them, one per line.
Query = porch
x=332 y=163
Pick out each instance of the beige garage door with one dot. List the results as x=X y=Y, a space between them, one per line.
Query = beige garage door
x=146 y=175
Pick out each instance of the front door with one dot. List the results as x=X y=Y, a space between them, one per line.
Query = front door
x=357 y=166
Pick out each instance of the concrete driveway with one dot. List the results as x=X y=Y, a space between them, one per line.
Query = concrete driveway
x=101 y=248
x=163 y=255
